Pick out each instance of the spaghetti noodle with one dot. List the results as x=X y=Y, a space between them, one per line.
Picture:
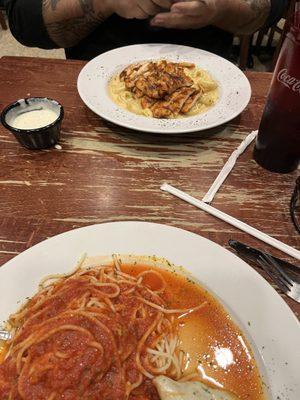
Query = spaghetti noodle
x=96 y=333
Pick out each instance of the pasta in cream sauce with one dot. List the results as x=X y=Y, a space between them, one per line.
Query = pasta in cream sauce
x=202 y=80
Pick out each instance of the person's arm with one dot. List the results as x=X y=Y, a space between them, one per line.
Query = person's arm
x=69 y=21
x=243 y=16
x=236 y=16
x=54 y=23
x=64 y=23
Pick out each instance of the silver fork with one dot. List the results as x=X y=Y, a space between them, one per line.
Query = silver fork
x=284 y=282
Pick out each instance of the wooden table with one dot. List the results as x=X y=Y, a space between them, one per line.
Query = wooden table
x=107 y=173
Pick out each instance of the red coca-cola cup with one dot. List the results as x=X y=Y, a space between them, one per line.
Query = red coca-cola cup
x=277 y=145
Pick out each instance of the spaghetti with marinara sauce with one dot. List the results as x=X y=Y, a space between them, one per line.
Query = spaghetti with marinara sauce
x=96 y=333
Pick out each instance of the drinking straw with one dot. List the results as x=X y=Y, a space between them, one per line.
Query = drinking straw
x=232 y=221
x=228 y=166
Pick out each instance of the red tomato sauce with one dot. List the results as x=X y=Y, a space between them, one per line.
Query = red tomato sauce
x=78 y=356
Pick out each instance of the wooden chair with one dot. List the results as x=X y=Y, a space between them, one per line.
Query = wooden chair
x=2 y=20
x=283 y=32
x=275 y=29
x=246 y=41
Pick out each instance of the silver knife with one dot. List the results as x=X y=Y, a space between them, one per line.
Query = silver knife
x=252 y=254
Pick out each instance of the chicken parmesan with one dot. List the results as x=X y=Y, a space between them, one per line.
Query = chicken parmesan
x=164 y=89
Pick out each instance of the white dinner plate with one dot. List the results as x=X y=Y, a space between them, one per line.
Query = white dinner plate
x=262 y=315
x=92 y=84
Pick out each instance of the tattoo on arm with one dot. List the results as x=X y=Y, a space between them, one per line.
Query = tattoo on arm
x=54 y=4
x=50 y=3
x=87 y=6
x=70 y=31
x=259 y=10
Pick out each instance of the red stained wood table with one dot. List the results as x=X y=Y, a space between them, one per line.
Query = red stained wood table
x=107 y=173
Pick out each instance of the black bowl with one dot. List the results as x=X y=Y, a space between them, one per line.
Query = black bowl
x=38 y=138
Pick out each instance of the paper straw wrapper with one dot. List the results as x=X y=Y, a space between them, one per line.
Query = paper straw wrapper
x=225 y=171
x=232 y=221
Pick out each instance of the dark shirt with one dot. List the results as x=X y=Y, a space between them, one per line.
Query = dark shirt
x=26 y=24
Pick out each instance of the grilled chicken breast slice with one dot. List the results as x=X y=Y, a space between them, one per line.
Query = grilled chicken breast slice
x=173 y=105
x=151 y=86
x=137 y=93
x=162 y=86
x=158 y=86
x=191 y=101
x=160 y=111
x=147 y=102
x=130 y=74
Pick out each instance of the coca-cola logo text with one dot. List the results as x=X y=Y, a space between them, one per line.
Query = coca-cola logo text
x=289 y=81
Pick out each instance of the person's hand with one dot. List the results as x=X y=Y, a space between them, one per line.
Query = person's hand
x=185 y=14
x=139 y=9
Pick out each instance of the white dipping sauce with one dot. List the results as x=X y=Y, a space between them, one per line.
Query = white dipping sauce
x=34 y=119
